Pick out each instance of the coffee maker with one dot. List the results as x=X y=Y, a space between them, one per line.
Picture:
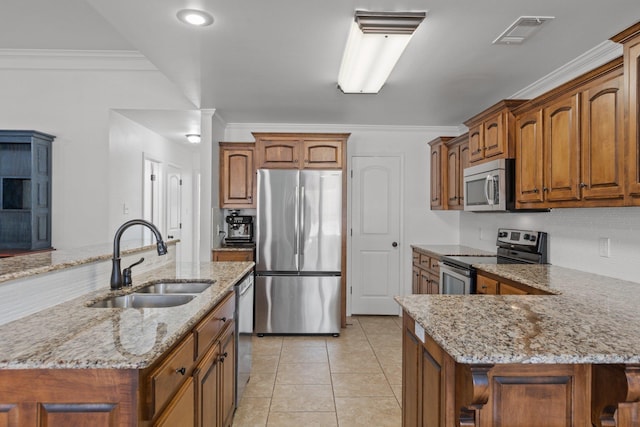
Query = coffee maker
x=239 y=229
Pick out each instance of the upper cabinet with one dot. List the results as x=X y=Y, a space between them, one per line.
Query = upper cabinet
x=25 y=190
x=448 y=157
x=570 y=143
x=237 y=175
x=491 y=133
x=630 y=38
x=301 y=151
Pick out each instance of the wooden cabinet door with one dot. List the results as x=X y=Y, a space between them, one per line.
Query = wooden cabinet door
x=465 y=154
x=632 y=87
x=227 y=375
x=415 y=281
x=562 y=150
x=436 y=177
x=181 y=409
x=432 y=388
x=476 y=143
x=238 y=255
x=434 y=285
x=453 y=177
x=411 y=378
x=278 y=154
x=529 y=158
x=207 y=394
x=237 y=177
x=602 y=145
x=322 y=154
x=486 y=286
x=494 y=138
x=425 y=282
x=506 y=289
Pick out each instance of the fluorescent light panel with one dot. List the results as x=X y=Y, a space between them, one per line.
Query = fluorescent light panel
x=523 y=28
x=376 y=42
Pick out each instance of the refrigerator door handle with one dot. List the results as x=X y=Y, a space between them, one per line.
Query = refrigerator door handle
x=301 y=228
x=296 y=231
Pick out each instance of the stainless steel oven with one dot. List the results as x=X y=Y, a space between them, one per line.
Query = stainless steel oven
x=458 y=277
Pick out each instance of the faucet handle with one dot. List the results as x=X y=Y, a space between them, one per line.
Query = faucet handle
x=126 y=273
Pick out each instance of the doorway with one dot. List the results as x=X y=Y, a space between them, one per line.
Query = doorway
x=376 y=213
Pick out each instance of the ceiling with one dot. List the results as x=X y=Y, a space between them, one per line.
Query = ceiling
x=277 y=61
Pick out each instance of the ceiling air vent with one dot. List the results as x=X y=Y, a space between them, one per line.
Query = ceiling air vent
x=523 y=28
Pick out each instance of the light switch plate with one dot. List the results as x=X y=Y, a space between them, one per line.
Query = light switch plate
x=604 y=247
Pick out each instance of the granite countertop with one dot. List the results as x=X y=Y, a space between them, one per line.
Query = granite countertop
x=72 y=335
x=25 y=265
x=592 y=319
x=452 y=250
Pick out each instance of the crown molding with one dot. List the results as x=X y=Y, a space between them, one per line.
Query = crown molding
x=599 y=55
x=63 y=59
x=327 y=128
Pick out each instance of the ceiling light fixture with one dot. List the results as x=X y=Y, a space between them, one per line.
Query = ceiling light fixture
x=523 y=28
x=193 y=138
x=376 y=41
x=197 y=18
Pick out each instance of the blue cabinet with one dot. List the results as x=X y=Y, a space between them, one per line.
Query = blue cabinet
x=25 y=189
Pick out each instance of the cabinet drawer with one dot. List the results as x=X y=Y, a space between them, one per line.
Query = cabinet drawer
x=240 y=255
x=416 y=258
x=166 y=378
x=486 y=286
x=433 y=265
x=425 y=261
x=511 y=290
x=207 y=331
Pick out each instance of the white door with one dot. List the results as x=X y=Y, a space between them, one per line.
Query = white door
x=375 y=244
x=151 y=196
x=174 y=203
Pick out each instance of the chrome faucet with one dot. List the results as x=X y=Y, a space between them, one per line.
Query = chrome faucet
x=116 y=274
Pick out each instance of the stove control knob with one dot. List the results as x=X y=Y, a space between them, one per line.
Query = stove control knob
x=526 y=236
x=532 y=238
x=502 y=234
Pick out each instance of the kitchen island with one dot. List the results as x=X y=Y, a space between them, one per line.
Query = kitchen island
x=72 y=364
x=567 y=359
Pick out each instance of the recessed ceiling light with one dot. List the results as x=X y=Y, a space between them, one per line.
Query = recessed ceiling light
x=197 y=18
x=523 y=28
x=193 y=138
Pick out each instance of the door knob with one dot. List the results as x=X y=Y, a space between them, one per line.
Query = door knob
x=394 y=244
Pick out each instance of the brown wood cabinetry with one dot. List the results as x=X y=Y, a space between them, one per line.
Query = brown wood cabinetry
x=570 y=143
x=491 y=133
x=448 y=158
x=234 y=255
x=630 y=38
x=426 y=273
x=492 y=285
x=179 y=389
x=437 y=391
x=237 y=175
x=301 y=151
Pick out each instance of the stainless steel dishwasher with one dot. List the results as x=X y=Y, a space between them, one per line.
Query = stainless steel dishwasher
x=244 y=332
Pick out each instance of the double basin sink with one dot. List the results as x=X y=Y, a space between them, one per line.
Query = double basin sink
x=157 y=295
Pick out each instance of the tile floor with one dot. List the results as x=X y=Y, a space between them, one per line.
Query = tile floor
x=352 y=380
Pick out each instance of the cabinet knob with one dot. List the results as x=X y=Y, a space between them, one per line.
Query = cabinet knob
x=181 y=371
x=583 y=185
x=545 y=189
x=223 y=356
x=224 y=319
x=535 y=190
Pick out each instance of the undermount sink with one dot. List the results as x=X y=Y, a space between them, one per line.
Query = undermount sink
x=175 y=288
x=144 y=301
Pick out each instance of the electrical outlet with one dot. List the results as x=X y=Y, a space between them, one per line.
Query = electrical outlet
x=604 y=247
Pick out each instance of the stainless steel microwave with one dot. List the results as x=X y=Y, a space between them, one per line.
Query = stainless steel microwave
x=489 y=187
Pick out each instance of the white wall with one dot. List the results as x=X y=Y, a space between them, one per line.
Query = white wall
x=74 y=105
x=129 y=142
x=420 y=225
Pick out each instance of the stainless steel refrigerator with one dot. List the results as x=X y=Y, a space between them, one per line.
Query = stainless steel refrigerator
x=298 y=252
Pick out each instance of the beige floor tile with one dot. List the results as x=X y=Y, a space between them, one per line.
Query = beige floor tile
x=355 y=362
x=260 y=385
x=267 y=345
x=267 y=363
x=388 y=355
x=381 y=328
x=393 y=373
x=368 y=411
x=305 y=354
x=307 y=419
x=385 y=340
x=302 y=398
x=252 y=411
x=305 y=341
x=360 y=385
x=397 y=391
x=303 y=373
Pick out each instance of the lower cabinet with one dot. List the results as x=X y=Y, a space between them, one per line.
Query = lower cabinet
x=426 y=273
x=439 y=392
x=491 y=286
x=192 y=385
x=234 y=255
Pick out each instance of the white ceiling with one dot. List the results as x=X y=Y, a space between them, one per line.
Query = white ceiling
x=277 y=61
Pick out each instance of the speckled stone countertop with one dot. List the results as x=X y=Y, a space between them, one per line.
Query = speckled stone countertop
x=593 y=319
x=72 y=335
x=18 y=267
x=451 y=250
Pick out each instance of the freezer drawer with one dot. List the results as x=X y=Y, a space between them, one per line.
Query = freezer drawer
x=297 y=305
